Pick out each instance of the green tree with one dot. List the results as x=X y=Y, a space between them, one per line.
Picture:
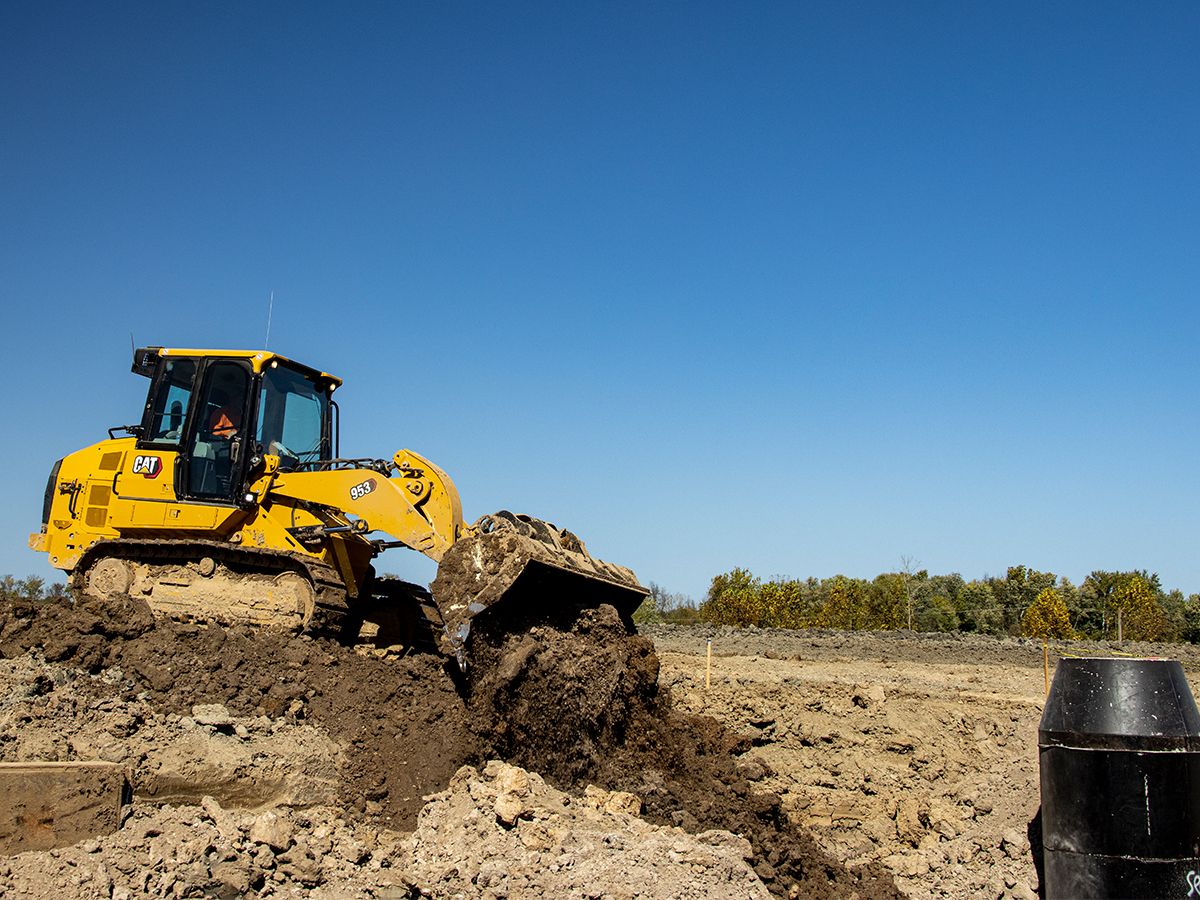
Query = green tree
x=845 y=604
x=978 y=610
x=1174 y=610
x=1099 y=603
x=1017 y=591
x=648 y=612
x=1190 y=631
x=887 y=602
x=30 y=588
x=936 y=613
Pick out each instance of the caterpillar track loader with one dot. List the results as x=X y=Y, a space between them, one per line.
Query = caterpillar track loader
x=229 y=502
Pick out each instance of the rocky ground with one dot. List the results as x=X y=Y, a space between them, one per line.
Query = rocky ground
x=277 y=765
x=582 y=761
x=915 y=751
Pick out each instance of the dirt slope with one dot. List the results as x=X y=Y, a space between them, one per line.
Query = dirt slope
x=264 y=723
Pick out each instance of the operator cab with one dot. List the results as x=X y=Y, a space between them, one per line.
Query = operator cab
x=222 y=411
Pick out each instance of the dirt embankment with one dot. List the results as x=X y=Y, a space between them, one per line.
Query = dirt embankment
x=307 y=724
x=578 y=700
x=399 y=722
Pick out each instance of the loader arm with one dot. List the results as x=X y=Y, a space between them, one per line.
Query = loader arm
x=417 y=504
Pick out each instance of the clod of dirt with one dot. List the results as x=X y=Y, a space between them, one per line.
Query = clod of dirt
x=558 y=697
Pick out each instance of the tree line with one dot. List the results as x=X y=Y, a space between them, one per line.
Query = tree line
x=30 y=588
x=1025 y=602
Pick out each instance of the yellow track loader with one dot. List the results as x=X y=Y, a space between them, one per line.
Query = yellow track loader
x=229 y=502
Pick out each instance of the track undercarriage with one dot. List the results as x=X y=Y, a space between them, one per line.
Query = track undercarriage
x=508 y=566
x=218 y=582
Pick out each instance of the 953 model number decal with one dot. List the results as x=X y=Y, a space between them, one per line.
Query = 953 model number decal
x=361 y=489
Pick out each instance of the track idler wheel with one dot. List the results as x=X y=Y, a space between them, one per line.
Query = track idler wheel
x=109 y=579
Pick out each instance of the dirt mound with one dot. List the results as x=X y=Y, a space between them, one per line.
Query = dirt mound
x=401 y=720
x=576 y=698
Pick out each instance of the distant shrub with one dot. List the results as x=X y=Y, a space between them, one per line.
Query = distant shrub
x=30 y=588
x=647 y=613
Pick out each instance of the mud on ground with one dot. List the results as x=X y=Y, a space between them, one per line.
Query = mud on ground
x=230 y=724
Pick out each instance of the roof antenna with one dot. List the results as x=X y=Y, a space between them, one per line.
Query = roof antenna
x=270 y=307
x=132 y=345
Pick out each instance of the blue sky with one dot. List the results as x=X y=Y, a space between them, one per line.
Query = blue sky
x=800 y=288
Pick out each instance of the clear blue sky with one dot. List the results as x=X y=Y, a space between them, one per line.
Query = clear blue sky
x=800 y=288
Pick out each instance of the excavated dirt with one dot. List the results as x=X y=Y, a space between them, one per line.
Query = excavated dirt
x=578 y=700
x=842 y=759
x=916 y=751
x=254 y=722
x=400 y=721
x=552 y=844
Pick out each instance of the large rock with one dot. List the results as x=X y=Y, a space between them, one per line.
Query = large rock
x=272 y=829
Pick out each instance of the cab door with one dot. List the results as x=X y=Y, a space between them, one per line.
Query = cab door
x=213 y=463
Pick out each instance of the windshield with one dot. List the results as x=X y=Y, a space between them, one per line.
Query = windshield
x=291 y=418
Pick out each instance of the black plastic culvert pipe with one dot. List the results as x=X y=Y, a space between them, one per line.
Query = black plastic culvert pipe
x=1119 y=756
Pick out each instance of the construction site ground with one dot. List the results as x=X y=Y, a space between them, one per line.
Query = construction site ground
x=587 y=763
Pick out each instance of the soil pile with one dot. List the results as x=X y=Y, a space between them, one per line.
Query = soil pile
x=576 y=698
x=264 y=720
x=400 y=721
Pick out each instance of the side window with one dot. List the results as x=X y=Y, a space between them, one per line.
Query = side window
x=171 y=402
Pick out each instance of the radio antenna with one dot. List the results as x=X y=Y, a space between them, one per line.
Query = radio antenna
x=270 y=307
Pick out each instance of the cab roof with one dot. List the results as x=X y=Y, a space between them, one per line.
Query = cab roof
x=258 y=359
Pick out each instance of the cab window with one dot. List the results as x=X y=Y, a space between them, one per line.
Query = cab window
x=292 y=413
x=172 y=400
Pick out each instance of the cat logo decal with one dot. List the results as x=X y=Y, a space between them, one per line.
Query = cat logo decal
x=148 y=466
